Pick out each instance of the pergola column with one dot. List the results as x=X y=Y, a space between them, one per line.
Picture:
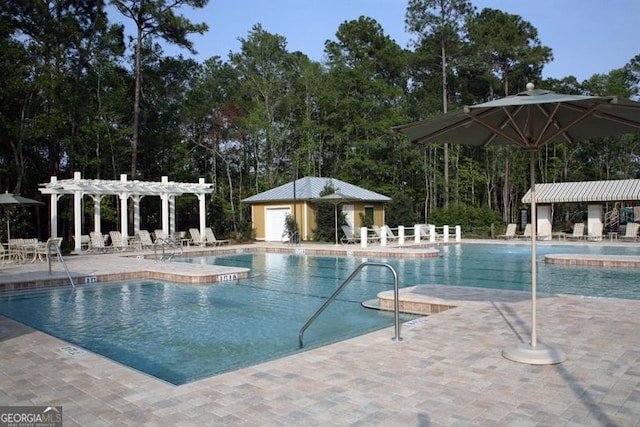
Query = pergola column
x=136 y=212
x=77 y=219
x=203 y=213
x=124 y=212
x=172 y=215
x=54 y=214
x=164 y=196
x=97 y=219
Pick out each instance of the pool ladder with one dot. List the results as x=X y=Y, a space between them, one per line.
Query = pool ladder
x=344 y=285
x=169 y=248
x=61 y=258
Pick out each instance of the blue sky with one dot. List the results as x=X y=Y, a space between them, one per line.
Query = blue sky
x=586 y=36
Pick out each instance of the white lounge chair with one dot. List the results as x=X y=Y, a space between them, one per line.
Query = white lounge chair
x=578 y=232
x=145 y=239
x=510 y=233
x=211 y=239
x=117 y=241
x=631 y=232
x=97 y=242
x=595 y=233
x=544 y=231
x=349 y=236
x=526 y=234
x=196 y=238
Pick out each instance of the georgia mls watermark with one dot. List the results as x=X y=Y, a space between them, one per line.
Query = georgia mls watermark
x=30 y=416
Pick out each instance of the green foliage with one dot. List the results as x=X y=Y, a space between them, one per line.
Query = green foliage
x=267 y=115
x=400 y=211
x=326 y=216
x=465 y=216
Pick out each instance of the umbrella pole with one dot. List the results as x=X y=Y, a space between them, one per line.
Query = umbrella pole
x=336 y=217
x=534 y=235
x=534 y=353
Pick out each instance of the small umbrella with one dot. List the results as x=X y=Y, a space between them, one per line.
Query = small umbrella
x=530 y=119
x=335 y=198
x=11 y=200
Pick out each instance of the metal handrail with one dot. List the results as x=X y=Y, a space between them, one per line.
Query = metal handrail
x=164 y=243
x=49 y=244
x=344 y=284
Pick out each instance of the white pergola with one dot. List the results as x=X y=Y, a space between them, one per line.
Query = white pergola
x=125 y=190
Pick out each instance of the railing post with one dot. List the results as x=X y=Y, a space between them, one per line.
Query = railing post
x=432 y=233
x=416 y=235
x=401 y=235
x=458 y=233
x=364 y=237
x=445 y=233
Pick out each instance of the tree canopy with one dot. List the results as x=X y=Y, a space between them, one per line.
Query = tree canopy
x=77 y=95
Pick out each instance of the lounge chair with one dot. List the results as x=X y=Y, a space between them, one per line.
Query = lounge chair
x=159 y=234
x=526 y=234
x=631 y=232
x=97 y=242
x=145 y=239
x=117 y=241
x=544 y=231
x=595 y=233
x=510 y=233
x=196 y=238
x=388 y=233
x=211 y=239
x=349 y=236
x=578 y=232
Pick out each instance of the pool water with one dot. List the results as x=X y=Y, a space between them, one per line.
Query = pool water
x=182 y=333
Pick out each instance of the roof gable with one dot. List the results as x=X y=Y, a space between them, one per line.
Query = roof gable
x=309 y=188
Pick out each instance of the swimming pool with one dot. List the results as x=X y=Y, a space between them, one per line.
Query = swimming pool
x=181 y=333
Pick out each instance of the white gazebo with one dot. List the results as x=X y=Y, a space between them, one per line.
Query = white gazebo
x=125 y=190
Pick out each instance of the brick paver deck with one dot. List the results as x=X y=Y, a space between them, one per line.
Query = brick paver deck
x=448 y=370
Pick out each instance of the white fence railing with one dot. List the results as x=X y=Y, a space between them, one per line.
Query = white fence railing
x=422 y=233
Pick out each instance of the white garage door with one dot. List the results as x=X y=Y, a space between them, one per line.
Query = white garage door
x=275 y=220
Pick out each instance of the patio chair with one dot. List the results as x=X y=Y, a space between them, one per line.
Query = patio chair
x=595 y=233
x=349 y=236
x=117 y=241
x=631 y=232
x=97 y=242
x=145 y=239
x=211 y=239
x=390 y=234
x=5 y=256
x=43 y=249
x=159 y=234
x=526 y=234
x=544 y=231
x=196 y=238
x=510 y=233
x=578 y=232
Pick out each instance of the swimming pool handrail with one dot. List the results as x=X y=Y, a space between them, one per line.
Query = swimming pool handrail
x=344 y=284
x=166 y=243
x=49 y=244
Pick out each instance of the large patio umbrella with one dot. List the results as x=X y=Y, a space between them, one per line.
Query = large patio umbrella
x=530 y=119
x=8 y=200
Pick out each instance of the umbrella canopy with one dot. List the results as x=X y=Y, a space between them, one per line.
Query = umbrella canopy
x=530 y=119
x=11 y=200
x=335 y=198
